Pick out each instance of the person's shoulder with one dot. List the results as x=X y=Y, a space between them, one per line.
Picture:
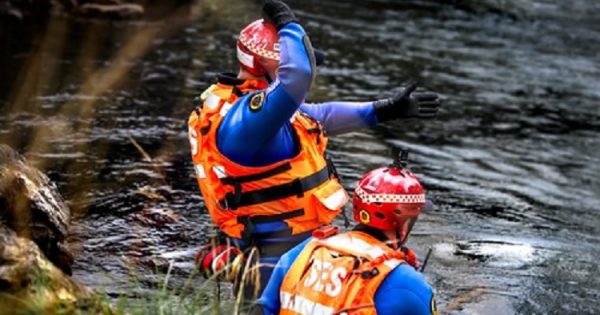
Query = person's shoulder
x=406 y=276
x=295 y=251
x=408 y=292
x=289 y=257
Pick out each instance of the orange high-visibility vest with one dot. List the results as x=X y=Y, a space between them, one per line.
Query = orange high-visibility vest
x=338 y=274
x=302 y=191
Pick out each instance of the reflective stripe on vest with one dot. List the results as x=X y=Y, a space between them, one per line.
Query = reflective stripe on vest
x=302 y=191
x=337 y=274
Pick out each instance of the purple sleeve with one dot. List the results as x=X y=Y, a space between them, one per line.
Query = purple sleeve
x=341 y=117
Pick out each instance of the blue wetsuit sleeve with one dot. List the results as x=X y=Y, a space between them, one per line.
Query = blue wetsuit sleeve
x=269 y=300
x=340 y=117
x=245 y=131
x=404 y=291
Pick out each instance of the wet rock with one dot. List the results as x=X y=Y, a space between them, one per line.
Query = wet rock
x=8 y=9
x=34 y=262
x=118 y=11
x=156 y=217
x=31 y=206
x=481 y=300
x=29 y=283
x=18 y=9
x=109 y=9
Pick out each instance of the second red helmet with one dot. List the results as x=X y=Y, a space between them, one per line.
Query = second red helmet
x=389 y=198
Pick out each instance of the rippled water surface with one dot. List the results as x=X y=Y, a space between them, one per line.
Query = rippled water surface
x=512 y=161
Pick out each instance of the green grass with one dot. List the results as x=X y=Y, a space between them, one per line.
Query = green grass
x=195 y=296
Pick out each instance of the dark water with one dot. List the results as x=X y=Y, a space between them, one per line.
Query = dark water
x=512 y=161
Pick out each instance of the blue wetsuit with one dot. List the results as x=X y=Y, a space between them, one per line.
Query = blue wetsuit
x=259 y=138
x=404 y=291
x=266 y=136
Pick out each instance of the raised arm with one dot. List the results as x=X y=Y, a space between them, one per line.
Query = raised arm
x=256 y=118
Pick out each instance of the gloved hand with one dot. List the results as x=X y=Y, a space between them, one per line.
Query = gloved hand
x=278 y=13
x=410 y=257
x=408 y=103
x=223 y=260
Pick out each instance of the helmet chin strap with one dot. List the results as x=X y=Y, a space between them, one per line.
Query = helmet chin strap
x=268 y=75
x=398 y=242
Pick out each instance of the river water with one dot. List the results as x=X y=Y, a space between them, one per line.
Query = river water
x=511 y=162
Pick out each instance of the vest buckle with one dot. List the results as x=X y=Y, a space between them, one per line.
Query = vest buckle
x=325 y=231
x=369 y=274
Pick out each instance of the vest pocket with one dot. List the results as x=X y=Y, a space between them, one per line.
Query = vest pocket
x=328 y=200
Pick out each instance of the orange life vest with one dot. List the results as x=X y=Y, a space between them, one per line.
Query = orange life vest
x=302 y=191
x=337 y=275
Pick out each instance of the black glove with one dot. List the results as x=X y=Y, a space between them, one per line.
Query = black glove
x=408 y=103
x=278 y=13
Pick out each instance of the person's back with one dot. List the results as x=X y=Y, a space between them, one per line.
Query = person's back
x=364 y=271
x=401 y=290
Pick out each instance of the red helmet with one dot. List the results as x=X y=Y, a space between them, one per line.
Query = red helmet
x=258 y=41
x=389 y=198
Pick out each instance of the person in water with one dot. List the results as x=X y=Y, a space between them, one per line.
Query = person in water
x=364 y=271
x=259 y=150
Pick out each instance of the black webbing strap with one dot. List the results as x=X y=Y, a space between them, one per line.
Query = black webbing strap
x=276 y=249
x=297 y=187
x=332 y=169
x=249 y=222
x=257 y=219
x=254 y=177
x=287 y=232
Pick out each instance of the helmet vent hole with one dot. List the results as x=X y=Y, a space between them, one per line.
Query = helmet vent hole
x=380 y=215
x=398 y=212
x=377 y=204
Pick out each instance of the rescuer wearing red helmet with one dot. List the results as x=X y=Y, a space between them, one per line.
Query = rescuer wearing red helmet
x=259 y=150
x=364 y=271
x=258 y=49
